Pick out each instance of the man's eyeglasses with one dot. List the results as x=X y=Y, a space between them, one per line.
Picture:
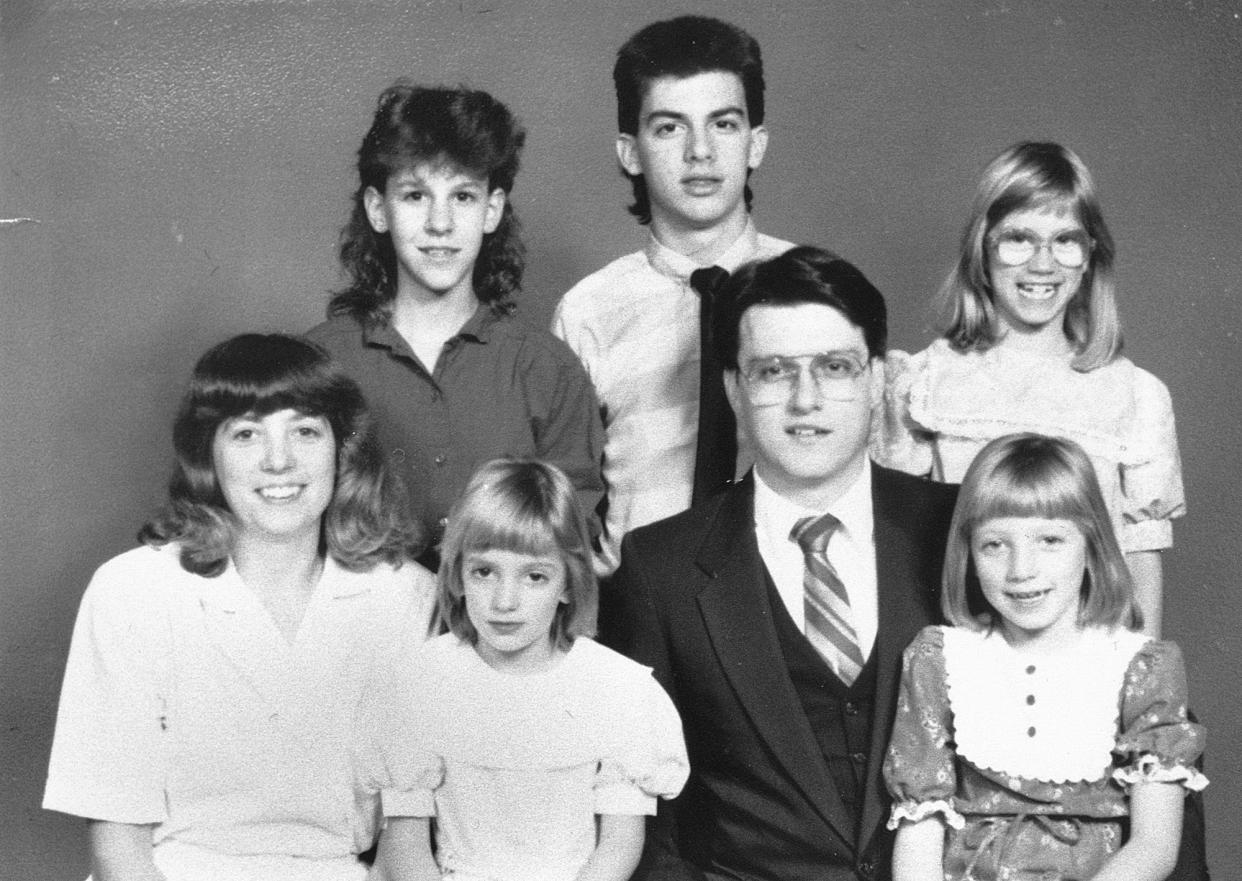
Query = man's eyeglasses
x=1016 y=247
x=835 y=374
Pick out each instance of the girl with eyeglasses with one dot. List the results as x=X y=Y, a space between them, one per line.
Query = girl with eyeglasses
x=1032 y=342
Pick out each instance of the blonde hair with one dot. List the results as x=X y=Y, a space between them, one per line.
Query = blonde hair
x=1033 y=176
x=1029 y=475
x=527 y=507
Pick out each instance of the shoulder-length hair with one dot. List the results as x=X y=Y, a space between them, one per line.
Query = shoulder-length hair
x=1028 y=176
x=256 y=374
x=527 y=507
x=459 y=128
x=1029 y=475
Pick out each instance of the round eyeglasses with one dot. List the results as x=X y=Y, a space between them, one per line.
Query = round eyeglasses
x=1017 y=247
x=772 y=380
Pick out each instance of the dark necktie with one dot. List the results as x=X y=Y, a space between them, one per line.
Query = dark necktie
x=715 y=452
x=829 y=619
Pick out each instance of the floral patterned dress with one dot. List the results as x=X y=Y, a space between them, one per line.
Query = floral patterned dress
x=1029 y=763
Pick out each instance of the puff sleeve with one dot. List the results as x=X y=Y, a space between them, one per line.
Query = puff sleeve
x=110 y=754
x=394 y=759
x=897 y=441
x=1151 y=478
x=1157 y=742
x=648 y=760
x=919 y=768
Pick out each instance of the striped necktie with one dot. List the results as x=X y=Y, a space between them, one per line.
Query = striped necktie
x=829 y=620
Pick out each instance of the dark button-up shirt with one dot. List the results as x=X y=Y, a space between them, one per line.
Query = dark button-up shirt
x=499 y=388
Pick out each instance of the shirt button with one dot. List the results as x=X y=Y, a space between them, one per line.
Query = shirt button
x=441 y=459
x=866 y=868
x=442 y=522
x=398 y=455
x=1030 y=669
x=1030 y=699
x=859 y=758
x=1030 y=732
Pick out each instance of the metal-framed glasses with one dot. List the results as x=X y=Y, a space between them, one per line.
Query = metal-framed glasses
x=1017 y=247
x=772 y=380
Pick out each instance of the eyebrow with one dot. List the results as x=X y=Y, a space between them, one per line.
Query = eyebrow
x=659 y=113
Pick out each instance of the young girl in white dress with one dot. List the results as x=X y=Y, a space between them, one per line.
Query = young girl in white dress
x=1032 y=342
x=532 y=751
x=1030 y=728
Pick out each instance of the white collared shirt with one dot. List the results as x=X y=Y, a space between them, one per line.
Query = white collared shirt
x=635 y=325
x=183 y=707
x=851 y=550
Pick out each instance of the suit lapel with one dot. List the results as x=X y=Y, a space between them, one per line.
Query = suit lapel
x=738 y=618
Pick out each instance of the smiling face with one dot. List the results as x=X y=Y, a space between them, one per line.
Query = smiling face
x=437 y=216
x=694 y=147
x=811 y=445
x=1031 y=298
x=512 y=599
x=277 y=473
x=1031 y=571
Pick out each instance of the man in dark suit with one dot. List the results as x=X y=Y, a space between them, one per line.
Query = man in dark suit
x=783 y=654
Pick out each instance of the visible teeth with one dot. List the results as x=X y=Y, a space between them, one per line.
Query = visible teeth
x=805 y=432
x=1027 y=595
x=1038 y=290
x=279 y=492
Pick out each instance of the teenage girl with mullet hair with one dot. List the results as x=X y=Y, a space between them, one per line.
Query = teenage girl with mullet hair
x=426 y=325
x=1032 y=342
x=1027 y=729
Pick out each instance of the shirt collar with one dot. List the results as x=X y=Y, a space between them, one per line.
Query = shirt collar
x=668 y=262
x=228 y=592
x=478 y=328
x=777 y=515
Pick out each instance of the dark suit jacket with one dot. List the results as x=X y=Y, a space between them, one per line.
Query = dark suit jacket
x=691 y=600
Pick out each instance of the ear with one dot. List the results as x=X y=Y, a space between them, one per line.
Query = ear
x=373 y=202
x=758 y=146
x=627 y=154
x=495 y=210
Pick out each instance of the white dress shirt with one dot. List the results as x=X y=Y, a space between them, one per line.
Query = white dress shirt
x=851 y=551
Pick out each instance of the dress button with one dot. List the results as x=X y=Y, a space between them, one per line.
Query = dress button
x=398 y=455
x=1030 y=669
x=851 y=708
x=441 y=459
x=866 y=868
x=859 y=758
x=1030 y=732
x=442 y=522
x=1030 y=699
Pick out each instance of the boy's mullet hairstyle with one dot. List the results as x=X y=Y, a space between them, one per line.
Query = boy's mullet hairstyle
x=1030 y=475
x=457 y=128
x=683 y=47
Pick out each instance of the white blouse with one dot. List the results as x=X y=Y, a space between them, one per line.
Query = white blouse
x=183 y=706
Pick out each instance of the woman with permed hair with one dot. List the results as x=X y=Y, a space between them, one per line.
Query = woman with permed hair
x=426 y=324
x=207 y=719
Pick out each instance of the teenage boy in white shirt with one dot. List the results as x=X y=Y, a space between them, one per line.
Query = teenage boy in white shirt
x=690 y=112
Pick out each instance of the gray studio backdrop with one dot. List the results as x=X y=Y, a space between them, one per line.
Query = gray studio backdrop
x=185 y=166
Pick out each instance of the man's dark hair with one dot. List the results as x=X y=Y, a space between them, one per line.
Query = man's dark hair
x=682 y=47
x=804 y=274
